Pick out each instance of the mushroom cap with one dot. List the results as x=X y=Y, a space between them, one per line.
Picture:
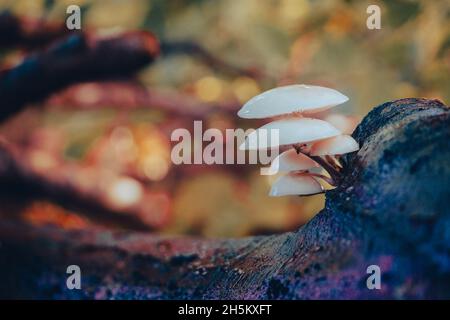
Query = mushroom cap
x=295 y=184
x=333 y=146
x=290 y=160
x=290 y=131
x=300 y=98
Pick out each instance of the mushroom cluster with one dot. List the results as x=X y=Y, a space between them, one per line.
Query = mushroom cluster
x=312 y=164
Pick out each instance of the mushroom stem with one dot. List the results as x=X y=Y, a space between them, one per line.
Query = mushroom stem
x=332 y=169
x=334 y=162
x=323 y=177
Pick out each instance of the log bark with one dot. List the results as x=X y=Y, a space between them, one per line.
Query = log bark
x=389 y=210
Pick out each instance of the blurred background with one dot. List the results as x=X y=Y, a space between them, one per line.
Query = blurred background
x=110 y=141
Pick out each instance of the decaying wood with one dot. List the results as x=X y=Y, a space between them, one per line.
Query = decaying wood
x=389 y=210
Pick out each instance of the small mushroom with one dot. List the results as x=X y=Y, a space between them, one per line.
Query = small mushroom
x=315 y=142
x=295 y=184
x=334 y=146
x=290 y=160
x=290 y=131
x=298 y=98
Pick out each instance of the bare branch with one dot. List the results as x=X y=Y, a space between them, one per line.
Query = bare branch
x=28 y=33
x=193 y=49
x=77 y=59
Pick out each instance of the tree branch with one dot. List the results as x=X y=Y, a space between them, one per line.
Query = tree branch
x=77 y=59
x=28 y=33
x=194 y=49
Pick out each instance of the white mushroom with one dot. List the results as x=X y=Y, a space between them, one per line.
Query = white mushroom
x=290 y=131
x=295 y=184
x=297 y=98
x=334 y=146
x=325 y=135
x=290 y=160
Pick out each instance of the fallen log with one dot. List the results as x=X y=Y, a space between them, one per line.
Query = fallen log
x=390 y=210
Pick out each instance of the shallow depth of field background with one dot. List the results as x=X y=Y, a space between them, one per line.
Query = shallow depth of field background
x=291 y=41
